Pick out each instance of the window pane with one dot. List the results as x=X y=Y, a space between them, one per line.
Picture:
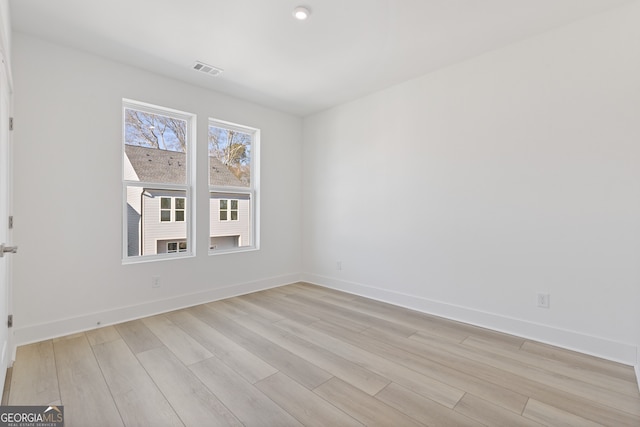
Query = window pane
x=150 y=228
x=229 y=157
x=155 y=147
x=156 y=141
x=182 y=246
x=233 y=161
x=233 y=228
x=172 y=247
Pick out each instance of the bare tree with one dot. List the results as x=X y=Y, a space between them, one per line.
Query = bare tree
x=233 y=149
x=152 y=130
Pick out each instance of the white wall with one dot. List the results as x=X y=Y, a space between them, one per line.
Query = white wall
x=5 y=28
x=68 y=195
x=469 y=190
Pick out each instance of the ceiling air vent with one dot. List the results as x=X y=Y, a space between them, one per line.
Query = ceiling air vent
x=206 y=68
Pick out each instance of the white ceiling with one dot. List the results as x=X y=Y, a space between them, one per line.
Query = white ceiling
x=346 y=49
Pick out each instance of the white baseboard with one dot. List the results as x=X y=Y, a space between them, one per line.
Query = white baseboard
x=39 y=332
x=576 y=341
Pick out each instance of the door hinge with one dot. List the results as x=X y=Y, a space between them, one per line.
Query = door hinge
x=10 y=123
x=10 y=222
x=10 y=321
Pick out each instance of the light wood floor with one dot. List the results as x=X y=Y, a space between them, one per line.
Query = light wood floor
x=305 y=355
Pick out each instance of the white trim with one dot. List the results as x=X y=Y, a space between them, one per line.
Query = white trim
x=189 y=187
x=637 y=366
x=589 y=344
x=228 y=210
x=35 y=333
x=253 y=190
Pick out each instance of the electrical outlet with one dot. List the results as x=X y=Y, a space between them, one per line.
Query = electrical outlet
x=338 y=265
x=155 y=282
x=543 y=300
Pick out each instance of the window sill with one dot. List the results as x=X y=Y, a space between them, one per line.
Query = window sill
x=233 y=251
x=155 y=258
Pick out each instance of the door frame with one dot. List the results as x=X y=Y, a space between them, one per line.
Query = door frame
x=6 y=296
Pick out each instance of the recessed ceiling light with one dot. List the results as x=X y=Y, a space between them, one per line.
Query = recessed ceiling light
x=301 y=13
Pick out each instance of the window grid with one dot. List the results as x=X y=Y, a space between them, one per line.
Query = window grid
x=138 y=240
x=234 y=200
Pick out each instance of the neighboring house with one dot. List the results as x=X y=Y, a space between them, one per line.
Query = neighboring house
x=156 y=218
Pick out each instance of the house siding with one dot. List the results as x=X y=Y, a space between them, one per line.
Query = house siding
x=238 y=228
x=154 y=229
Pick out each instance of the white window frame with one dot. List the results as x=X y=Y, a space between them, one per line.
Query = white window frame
x=166 y=209
x=176 y=210
x=188 y=188
x=228 y=210
x=173 y=209
x=178 y=250
x=253 y=191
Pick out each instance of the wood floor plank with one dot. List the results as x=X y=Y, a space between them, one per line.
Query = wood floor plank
x=187 y=349
x=585 y=361
x=594 y=378
x=102 y=335
x=616 y=400
x=252 y=309
x=287 y=302
x=551 y=416
x=361 y=406
x=138 y=337
x=241 y=360
x=422 y=409
x=138 y=399
x=307 y=355
x=422 y=384
x=489 y=414
x=7 y=387
x=82 y=386
x=34 y=380
x=409 y=319
x=415 y=358
x=321 y=291
x=249 y=404
x=294 y=366
x=306 y=406
x=271 y=304
x=69 y=337
x=448 y=329
x=352 y=373
x=193 y=402
x=343 y=316
x=465 y=361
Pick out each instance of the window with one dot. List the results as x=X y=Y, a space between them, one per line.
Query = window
x=172 y=209
x=179 y=207
x=165 y=209
x=173 y=247
x=233 y=187
x=157 y=181
x=228 y=210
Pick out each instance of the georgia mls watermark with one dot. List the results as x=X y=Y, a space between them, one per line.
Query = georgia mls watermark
x=31 y=416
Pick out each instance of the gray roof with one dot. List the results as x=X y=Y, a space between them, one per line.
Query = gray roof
x=169 y=167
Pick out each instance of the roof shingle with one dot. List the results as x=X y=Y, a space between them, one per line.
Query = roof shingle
x=170 y=167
